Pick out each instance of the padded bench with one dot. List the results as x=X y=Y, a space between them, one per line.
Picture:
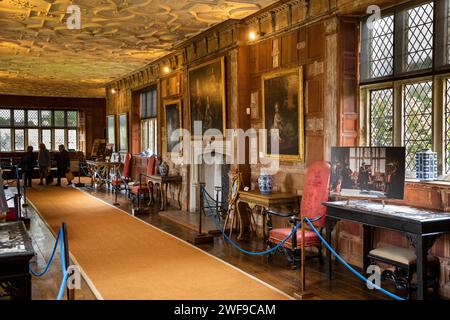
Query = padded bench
x=404 y=262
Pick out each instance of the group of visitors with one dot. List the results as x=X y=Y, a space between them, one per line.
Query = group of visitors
x=43 y=161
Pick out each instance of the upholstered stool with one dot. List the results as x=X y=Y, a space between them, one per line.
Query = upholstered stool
x=404 y=262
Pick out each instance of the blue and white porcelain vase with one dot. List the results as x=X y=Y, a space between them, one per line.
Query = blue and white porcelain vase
x=426 y=165
x=265 y=183
x=164 y=169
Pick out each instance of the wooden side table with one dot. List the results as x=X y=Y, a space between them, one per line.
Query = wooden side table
x=163 y=183
x=273 y=201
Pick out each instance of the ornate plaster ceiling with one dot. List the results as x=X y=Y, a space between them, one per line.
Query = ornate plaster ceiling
x=39 y=55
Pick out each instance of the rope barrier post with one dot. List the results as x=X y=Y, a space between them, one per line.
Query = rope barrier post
x=25 y=204
x=116 y=187
x=70 y=292
x=201 y=238
x=17 y=207
x=303 y=294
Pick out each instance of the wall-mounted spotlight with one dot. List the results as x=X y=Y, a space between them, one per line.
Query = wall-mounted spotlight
x=166 y=69
x=113 y=91
x=252 y=35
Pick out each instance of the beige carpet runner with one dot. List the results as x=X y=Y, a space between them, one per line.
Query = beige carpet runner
x=125 y=258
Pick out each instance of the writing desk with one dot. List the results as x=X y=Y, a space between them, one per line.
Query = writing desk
x=422 y=227
x=16 y=251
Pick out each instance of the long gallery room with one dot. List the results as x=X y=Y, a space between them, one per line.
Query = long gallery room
x=224 y=150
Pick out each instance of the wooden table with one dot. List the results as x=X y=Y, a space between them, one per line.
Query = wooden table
x=421 y=227
x=16 y=251
x=164 y=183
x=100 y=171
x=273 y=201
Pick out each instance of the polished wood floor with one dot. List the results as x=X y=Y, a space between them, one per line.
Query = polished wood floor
x=345 y=286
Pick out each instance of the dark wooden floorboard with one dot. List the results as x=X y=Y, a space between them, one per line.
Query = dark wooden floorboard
x=345 y=286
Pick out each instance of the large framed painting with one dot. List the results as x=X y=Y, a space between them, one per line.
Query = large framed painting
x=123 y=132
x=111 y=120
x=207 y=95
x=172 y=113
x=282 y=103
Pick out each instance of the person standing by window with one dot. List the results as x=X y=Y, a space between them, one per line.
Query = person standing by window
x=63 y=164
x=44 y=162
x=28 y=164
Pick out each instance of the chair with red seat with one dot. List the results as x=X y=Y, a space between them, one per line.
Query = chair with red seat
x=142 y=187
x=316 y=192
x=126 y=171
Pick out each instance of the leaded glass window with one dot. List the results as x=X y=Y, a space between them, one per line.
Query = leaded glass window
x=60 y=119
x=5 y=140
x=60 y=138
x=419 y=37
x=46 y=118
x=72 y=119
x=71 y=139
x=381 y=117
x=47 y=138
x=5 y=117
x=19 y=118
x=447 y=128
x=33 y=118
x=19 y=140
x=381 y=47
x=33 y=138
x=418 y=120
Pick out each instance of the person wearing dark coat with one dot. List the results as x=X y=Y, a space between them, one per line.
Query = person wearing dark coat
x=28 y=164
x=63 y=164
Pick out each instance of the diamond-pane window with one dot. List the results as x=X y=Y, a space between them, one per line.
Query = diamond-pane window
x=72 y=139
x=33 y=118
x=5 y=117
x=419 y=37
x=33 y=138
x=47 y=138
x=19 y=139
x=60 y=118
x=46 y=118
x=19 y=118
x=72 y=119
x=381 y=47
x=60 y=138
x=381 y=117
x=5 y=140
x=447 y=129
x=418 y=120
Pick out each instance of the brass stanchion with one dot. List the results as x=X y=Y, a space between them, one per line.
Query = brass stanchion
x=116 y=187
x=25 y=203
x=70 y=292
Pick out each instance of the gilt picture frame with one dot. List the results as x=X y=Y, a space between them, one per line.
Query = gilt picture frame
x=282 y=113
x=173 y=121
x=207 y=101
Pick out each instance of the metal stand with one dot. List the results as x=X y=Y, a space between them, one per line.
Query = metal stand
x=201 y=238
x=116 y=188
x=25 y=203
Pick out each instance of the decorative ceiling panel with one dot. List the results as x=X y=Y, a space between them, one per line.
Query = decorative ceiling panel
x=39 y=55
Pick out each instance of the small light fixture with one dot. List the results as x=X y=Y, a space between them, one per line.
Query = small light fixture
x=113 y=91
x=252 y=35
x=166 y=69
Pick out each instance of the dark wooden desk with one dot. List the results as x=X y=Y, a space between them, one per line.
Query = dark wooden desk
x=16 y=251
x=421 y=227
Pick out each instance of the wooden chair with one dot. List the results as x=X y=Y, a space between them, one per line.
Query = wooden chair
x=316 y=192
x=404 y=262
x=142 y=188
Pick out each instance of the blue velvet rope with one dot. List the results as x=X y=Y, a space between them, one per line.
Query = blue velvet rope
x=215 y=215
x=59 y=241
x=349 y=266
